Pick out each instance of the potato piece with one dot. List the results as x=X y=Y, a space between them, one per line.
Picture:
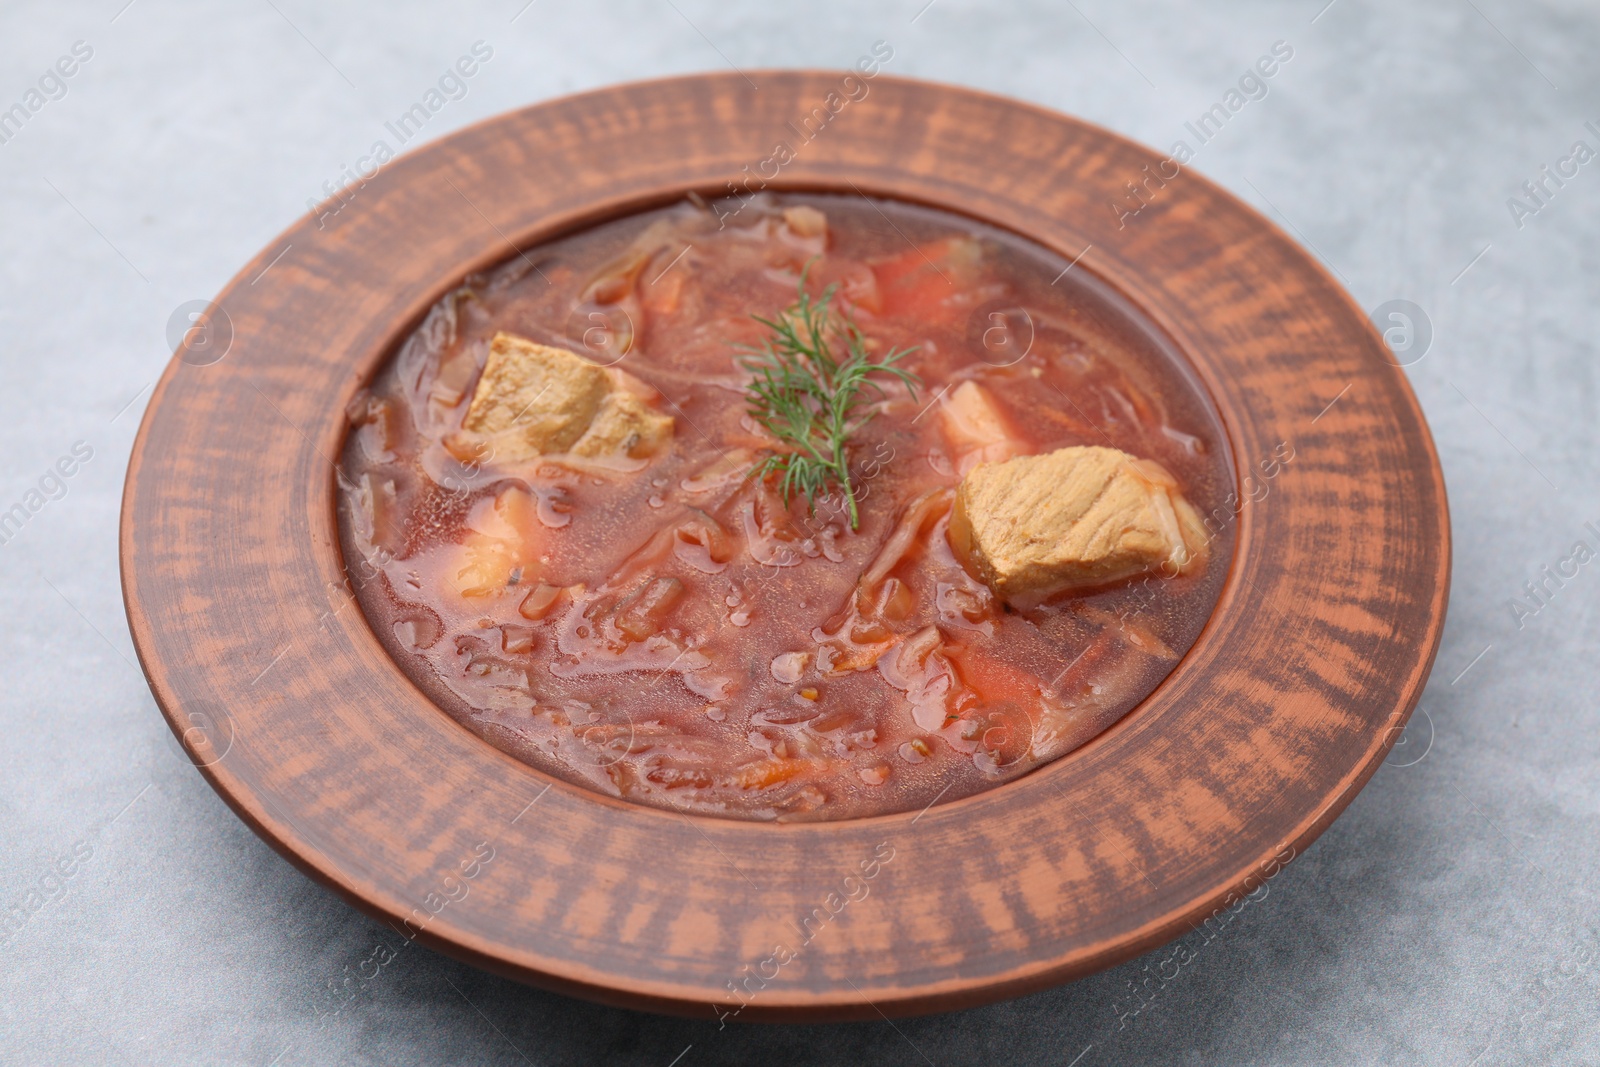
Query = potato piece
x=975 y=428
x=805 y=221
x=1077 y=518
x=536 y=400
x=500 y=552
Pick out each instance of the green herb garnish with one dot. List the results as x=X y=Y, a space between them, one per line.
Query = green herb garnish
x=806 y=396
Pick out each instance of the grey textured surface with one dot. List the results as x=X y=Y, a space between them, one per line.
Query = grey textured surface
x=1450 y=916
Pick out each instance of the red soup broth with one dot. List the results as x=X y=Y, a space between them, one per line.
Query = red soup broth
x=670 y=630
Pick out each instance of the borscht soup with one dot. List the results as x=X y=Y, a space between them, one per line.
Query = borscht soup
x=795 y=507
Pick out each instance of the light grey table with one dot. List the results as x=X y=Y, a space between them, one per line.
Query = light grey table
x=1450 y=916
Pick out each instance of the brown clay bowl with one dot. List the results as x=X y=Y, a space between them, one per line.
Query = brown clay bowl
x=1318 y=649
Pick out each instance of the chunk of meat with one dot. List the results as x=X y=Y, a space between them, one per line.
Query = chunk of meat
x=976 y=428
x=1077 y=518
x=624 y=426
x=539 y=398
x=535 y=400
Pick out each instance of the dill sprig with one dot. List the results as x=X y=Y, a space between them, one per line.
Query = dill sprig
x=809 y=377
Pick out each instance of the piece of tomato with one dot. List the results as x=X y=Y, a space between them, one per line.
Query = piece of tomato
x=919 y=282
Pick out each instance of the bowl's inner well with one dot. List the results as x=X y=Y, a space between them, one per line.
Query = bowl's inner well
x=578 y=565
